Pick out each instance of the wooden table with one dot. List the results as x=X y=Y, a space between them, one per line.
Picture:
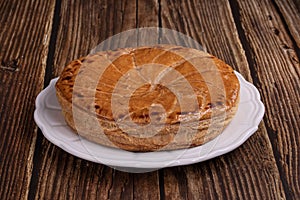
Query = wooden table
x=259 y=38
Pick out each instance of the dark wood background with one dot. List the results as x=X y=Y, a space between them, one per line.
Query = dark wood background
x=259 y=38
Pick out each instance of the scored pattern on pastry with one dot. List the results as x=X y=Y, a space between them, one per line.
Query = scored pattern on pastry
x=140 y=99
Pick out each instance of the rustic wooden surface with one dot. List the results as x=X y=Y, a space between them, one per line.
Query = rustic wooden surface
x=25 y=31
x=278 y=80
x=260 y=39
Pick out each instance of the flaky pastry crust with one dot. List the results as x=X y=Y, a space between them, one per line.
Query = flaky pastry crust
x=214 y=84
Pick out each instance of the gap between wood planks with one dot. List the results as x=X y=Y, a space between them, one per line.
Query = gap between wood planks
x=34 y=181
x=270 y=131
x=295 y=46
x=236 y=15
x=48 y=75
x=49 y=69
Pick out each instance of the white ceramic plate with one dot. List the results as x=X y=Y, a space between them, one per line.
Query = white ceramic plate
x=50 y=120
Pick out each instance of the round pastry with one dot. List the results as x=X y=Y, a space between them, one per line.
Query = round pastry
x=152 y=98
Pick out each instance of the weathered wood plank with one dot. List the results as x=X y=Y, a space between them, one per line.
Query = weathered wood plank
x=84 y=24
x=248 y=172
x=24 y=39
x=202 y=25
x=276 y=66
x=146 y=185
x=241 y=174
x=88 y=24
x=81 y=27
x=292 y=18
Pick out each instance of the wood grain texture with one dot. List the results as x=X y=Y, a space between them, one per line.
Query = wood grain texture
x=81 y=26
x=276 y=65
x=248 y=172
x=291 y=15
x=260 y=39
x=205 y=22
x=148 y=16
x=241 y=174
x=84 y=25
x=297 y=4
x=24 y=39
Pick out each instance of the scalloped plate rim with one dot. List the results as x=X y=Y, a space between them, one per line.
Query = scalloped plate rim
x=67 y=146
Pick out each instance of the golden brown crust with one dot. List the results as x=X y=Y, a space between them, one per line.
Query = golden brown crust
x=206 y=75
